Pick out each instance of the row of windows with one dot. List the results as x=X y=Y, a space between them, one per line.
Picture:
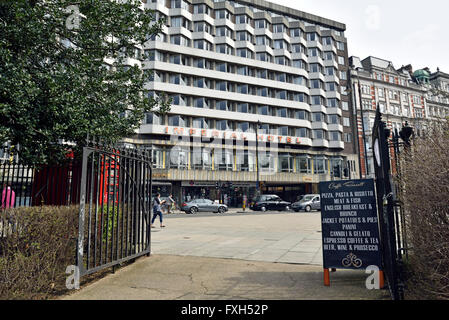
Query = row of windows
x=245 y=19
x=209 y=83
x=206 y=103
x=179 y=39
x=244 y=70
x=243 y=161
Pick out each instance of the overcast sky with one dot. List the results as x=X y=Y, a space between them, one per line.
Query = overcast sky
x=401 y=31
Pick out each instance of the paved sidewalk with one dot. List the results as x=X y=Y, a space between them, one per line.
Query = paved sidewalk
x=273 y=256
x=164 y=277
x=270 y=237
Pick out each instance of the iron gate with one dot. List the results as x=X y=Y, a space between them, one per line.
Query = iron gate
x=114 y=214
x=390 y=215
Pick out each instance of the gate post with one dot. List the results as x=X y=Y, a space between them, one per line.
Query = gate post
x=81 y=220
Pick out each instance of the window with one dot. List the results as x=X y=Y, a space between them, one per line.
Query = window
x=343 y=75
x=346 y=122
x=202 y=44
x=221 y=66
x=180 y=40
x=179 y=158
x=312 y=36
x=317 y=100
x=224 y=159
x=328 y=56
x=242 y=19
x=278 y=28
x=347 y=137
x=301 y=115
x=261 y=24
x=246 y=160
x=332 y=103
x=315 y=67
x=300 y=64
x=222 y=14
x=285 y=162
x=221 y=125
x=283 y=131
x=331 y=86
x=224 y=48
x=151 y=118
x=242 y=88
x=244 y=53
x=201 y=9
x=262 y=41
x=200 y=123
x=340 y=45
x=223 y=32
x=345 y=105
x=303 y=164
x=280 y=44
x=202 y=27
x=243 y=108
x=202 y=159
x=222 y=105
x=282 y=113
x=281 y=60
x=263 y=110
x=282 y=94
x=302 y=133
x=334 y=136
x=179 y=4
x=221 y=85
x=327 y=41
x=201 y=103
x=341 y=60
x=176 y=121
x=262 y=92
x=314 y=52
x=295 y=33
x=320 y=165
x=243 y=36
x=179 y=100
x=263 y=56
x=318 y=134
x=315 y=84
x=333 y=119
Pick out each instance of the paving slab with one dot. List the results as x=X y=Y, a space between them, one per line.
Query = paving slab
x=165 y=277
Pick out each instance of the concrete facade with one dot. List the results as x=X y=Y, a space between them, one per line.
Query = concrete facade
x=228 y=65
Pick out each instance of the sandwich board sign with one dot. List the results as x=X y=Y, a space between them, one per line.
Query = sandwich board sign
x=350 y=227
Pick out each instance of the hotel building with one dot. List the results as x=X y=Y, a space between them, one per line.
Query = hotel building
x=403 y=95
x=247 y=76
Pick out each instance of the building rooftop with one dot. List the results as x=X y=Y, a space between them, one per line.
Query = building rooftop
x=311 y=18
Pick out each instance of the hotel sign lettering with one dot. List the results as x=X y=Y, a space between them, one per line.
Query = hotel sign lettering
x=230 y=135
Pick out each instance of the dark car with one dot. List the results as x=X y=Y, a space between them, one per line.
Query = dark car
x=270 y=203
x=203 y=205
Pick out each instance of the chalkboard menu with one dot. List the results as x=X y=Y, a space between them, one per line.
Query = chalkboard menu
x=349 y=225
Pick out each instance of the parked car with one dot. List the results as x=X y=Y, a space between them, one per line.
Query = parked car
x=203 y=205
x=308 y=203
x=270 y=202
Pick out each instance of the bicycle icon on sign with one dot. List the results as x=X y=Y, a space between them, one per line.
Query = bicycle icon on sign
x=352 y=260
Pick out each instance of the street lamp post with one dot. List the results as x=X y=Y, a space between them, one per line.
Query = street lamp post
x=258 y=126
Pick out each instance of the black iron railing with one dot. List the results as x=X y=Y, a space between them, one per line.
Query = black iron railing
x=115 y=210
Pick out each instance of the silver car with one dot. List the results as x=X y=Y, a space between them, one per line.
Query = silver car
x=308 y=203
x=203 y=205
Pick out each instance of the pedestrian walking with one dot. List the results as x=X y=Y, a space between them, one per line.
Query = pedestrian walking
x=157 y=210
x=170 y=204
